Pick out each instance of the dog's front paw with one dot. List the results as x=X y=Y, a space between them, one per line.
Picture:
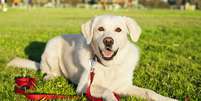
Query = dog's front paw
x=109 y=96
x=152 y=96
x=162 y=99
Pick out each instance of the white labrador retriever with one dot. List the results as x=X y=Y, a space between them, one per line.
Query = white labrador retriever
x=105 y=39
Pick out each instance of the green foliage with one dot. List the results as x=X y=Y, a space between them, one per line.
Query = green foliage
x=170 y=61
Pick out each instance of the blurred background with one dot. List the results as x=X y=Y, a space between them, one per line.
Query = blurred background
x=105 y=4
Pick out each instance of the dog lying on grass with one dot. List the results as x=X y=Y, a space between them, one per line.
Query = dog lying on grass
x=103 y=38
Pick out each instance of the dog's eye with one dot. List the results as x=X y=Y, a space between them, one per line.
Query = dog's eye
x=118 y=29
x=101 y=29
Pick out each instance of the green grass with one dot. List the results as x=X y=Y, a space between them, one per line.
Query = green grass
x=170 y=47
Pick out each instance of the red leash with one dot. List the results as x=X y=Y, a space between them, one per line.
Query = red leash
x=24 y=83
x=88 y=92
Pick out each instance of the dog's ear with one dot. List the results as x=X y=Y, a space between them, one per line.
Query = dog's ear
x=134 y=29
x=87 y=31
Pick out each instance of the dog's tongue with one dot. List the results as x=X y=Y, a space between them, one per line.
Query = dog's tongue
x=107 y=53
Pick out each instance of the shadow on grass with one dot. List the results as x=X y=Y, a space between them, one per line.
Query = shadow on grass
x=34 y=50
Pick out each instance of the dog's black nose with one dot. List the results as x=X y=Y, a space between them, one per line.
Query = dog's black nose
x=108 y=41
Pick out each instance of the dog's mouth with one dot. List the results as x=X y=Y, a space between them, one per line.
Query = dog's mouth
x=108 y=54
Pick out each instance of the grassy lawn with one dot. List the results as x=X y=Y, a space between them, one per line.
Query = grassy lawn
x=170 y=47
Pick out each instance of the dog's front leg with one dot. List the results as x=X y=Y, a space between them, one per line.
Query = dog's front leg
x=106 y=94
x=144 y=93
x=81 y=88
x=97 y=91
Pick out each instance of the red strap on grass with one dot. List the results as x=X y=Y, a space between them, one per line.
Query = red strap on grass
x=24 y=83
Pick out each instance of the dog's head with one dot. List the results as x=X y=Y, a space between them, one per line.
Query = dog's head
x=107 y=34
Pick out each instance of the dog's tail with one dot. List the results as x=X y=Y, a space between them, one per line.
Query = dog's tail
x=24 y=63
